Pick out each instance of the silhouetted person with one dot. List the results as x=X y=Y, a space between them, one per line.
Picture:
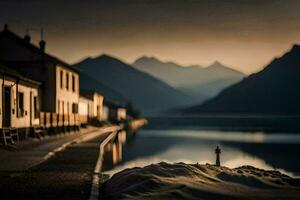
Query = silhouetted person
x=218 y=152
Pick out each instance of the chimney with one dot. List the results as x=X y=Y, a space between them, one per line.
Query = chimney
x=27 y=38
x=42 y=45
x=42 y=42
x=5 y=27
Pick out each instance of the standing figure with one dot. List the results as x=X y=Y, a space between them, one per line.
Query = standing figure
x=218 y=152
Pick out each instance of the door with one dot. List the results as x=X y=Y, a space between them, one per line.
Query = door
x=7 y=107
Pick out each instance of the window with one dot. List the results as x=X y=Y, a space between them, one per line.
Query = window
x=67 y=81
x=20 y=104
x=61 y=79
x=36 y=107
x=74 y=108
x=73 y=83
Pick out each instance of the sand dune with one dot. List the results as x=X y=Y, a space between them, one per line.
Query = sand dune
x=194 y=181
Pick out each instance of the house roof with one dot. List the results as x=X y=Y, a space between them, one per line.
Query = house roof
x=89 y=93
x=7 y=71
x=111 y=104
x=85 y=98
x=19 y=40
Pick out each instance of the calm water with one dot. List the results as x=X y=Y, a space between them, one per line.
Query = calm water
x=268 y=151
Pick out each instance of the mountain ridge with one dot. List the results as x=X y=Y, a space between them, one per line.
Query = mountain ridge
x=190 y=79
x=213 y=64
x=273 y=90
x=140 y=88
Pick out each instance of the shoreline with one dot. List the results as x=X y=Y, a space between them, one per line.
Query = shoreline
x=265 y=123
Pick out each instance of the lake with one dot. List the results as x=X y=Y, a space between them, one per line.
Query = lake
x=268 y=151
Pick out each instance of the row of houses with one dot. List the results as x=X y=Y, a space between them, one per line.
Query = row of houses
x=40 y=90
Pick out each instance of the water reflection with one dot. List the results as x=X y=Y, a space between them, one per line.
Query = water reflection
x=113 y=150
x=268 y=151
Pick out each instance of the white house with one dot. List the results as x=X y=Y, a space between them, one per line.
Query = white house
x=85 y=110
x=95 y=108
x=105 y=113
x=116 y=113
x=60 y=81
x=19 y=102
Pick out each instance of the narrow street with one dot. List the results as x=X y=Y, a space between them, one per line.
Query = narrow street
x=66 y=175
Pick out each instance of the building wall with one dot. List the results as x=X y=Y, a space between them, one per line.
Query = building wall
x=48 y=89
x=65 y=97
x=117 y=114
x=105 y=113
x=97 y=106
x=121 y=114
x=17 y=121
x=91 y=109
x=83 y=109
x=83 y=106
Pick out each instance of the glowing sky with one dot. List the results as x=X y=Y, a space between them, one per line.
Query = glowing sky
x=244 y=34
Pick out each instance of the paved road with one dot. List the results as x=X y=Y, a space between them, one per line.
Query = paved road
x=67 y=175
x=32 y=151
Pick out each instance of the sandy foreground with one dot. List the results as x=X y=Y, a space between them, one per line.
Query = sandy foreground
x=195 y=181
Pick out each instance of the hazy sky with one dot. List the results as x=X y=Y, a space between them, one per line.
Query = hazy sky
x=244 y=34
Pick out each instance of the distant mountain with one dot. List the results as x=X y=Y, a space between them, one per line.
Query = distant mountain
x=200 y=82
x=207 y=90
x=274 y=90
x=147 y=93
